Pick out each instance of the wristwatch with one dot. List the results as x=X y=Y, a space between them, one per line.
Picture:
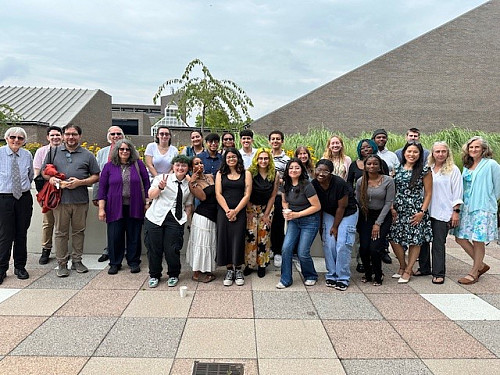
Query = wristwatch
x=457 y=210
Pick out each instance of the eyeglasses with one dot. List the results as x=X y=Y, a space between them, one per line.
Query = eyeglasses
x=68 y=158
x=213 y=141
x=115 y=134
x=228 y=139
x=163 y=134
x=71 y=134
x=18 y=137
x=124 y=149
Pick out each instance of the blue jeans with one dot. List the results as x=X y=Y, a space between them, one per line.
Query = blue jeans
x=301 y=232
x=338 y=251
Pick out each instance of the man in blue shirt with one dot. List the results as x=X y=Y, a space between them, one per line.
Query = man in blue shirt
x=210 y=157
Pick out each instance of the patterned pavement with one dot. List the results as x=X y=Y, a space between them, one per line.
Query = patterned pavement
x=95 y=323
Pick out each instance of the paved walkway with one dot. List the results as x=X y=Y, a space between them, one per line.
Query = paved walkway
x=95 y=323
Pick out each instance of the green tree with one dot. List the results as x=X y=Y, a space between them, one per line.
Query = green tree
x=208 y=96
x=8 y=117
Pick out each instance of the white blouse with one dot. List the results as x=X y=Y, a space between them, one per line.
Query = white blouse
x=447 y=192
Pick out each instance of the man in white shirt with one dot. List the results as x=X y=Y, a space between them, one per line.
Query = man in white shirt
x=247 y=151
x=380 y=138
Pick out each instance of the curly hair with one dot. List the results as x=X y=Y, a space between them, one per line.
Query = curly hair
x=224 y=168
x=254 y=168
x=487 y=152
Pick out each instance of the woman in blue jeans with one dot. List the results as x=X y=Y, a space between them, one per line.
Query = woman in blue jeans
x=339 y=217
x=301 y=206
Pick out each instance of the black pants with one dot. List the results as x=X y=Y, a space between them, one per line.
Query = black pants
x=130 y=228
x=370 y=250
x=166 y=239
x=15 y=219
x=277 y=227
x=439 y=233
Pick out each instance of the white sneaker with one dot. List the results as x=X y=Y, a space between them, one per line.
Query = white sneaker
x=280 y=285
x=153 y=282
x=277 y=261
x=239 y=279
x=310 y=282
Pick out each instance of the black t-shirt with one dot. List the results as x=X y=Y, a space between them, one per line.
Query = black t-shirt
x=329 y=198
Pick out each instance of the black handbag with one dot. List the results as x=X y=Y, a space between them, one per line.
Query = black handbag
x=39 y=180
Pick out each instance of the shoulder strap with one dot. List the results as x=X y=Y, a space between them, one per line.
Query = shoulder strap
x=140 y=179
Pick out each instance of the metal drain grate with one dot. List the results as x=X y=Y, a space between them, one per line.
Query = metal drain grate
x=204 y=368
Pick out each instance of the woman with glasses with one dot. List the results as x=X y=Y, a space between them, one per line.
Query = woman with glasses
x=375 y=194
x=123 y=188
x=301 y=210
x=411 y=222
x=233 y=186
x=159 y=154
x=196 y=147
x=478 y=217
x=227 y=141
x=339 y=217
x=260 y=211
x=202 y=245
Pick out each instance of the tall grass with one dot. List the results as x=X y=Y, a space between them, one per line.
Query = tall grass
x=316 y=139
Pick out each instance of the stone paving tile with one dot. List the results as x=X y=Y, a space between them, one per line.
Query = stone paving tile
x=35 y=302
x=129 y=366
x=223 y=305
x=75 y=280
x=466 y=366
x=486 y=284
x=142 y=337
x=14 y=329
x=184 y=280
x=427 y=340
x=344 y=306
x=66 y=336
x=463 y=306
x=160 y=304
x=486 y=332
x=455 y=266
x=292 y=366
x=183 y=366
x=321 y=287
x=285 y=339
x=122 y=280
x=424 y=285
x=217 y=284
x=268 y=282
x=389 y=286
x=492 y=299
x=11 y=281
x=218 y=338
x=363 y=339
x=7 y=293
x=19 y=365
x=97 y=303
x=385 y=366
x=405 y=307
x=279 y=305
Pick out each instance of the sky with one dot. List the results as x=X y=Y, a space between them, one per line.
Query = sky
x=277 y=51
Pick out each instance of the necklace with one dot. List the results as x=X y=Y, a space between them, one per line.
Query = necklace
x=124 y=168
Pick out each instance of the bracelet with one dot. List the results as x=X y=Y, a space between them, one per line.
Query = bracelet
x=160 y=188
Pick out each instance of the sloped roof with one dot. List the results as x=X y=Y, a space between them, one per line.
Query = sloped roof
x=55 y=106
x=450 y=75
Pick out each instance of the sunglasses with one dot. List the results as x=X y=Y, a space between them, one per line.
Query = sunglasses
x=163 y=134
x=228 y=139
x=124 y=149
x=115 y=134
x=68 y=158
x=18 y=137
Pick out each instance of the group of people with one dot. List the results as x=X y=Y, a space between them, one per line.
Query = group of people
x=246 y=206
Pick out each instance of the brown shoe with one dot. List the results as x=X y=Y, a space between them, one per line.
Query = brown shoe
x=485 y=269
x=466 y=281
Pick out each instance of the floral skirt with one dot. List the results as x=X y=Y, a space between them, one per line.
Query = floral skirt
x=480 y=226
x=258 y=238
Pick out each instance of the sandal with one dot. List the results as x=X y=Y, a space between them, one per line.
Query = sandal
x=465 y=281
x=195 y=277
x=438 y=280
x=209 y=277
x=365 y=279
x=377 y=283
x=485 y=269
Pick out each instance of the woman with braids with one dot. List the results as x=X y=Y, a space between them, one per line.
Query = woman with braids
x=411 y=222
x=375 y=194
x=260 y=211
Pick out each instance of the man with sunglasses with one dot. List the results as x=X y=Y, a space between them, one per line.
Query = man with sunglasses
x=54 y=136
x=81 y=170
x=115 y=134
x=16 y=203
x=210 y=157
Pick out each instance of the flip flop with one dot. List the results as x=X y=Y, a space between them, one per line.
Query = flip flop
x=434 y=280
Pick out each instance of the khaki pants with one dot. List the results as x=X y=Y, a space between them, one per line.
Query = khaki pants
x=64 y=216
x=47 y=229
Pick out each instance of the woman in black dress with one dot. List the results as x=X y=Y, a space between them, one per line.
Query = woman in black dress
x=233 y=186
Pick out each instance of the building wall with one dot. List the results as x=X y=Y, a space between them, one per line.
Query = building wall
x=95 y=119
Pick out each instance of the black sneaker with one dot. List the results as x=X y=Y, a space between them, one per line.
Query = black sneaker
x=229 y=278
x=44 y=258
x=113 y=269
x=330 y=283
x=341 y=286
x=135 y=269
x=21 y=273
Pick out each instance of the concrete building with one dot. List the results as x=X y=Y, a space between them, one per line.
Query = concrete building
x=450 y=75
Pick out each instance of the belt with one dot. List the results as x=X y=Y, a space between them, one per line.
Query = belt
x=11 y=195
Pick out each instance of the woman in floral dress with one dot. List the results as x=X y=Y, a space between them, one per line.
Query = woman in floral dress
x=411 y=222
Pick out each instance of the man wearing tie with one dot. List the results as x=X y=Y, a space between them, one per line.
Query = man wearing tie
x=16 y=203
